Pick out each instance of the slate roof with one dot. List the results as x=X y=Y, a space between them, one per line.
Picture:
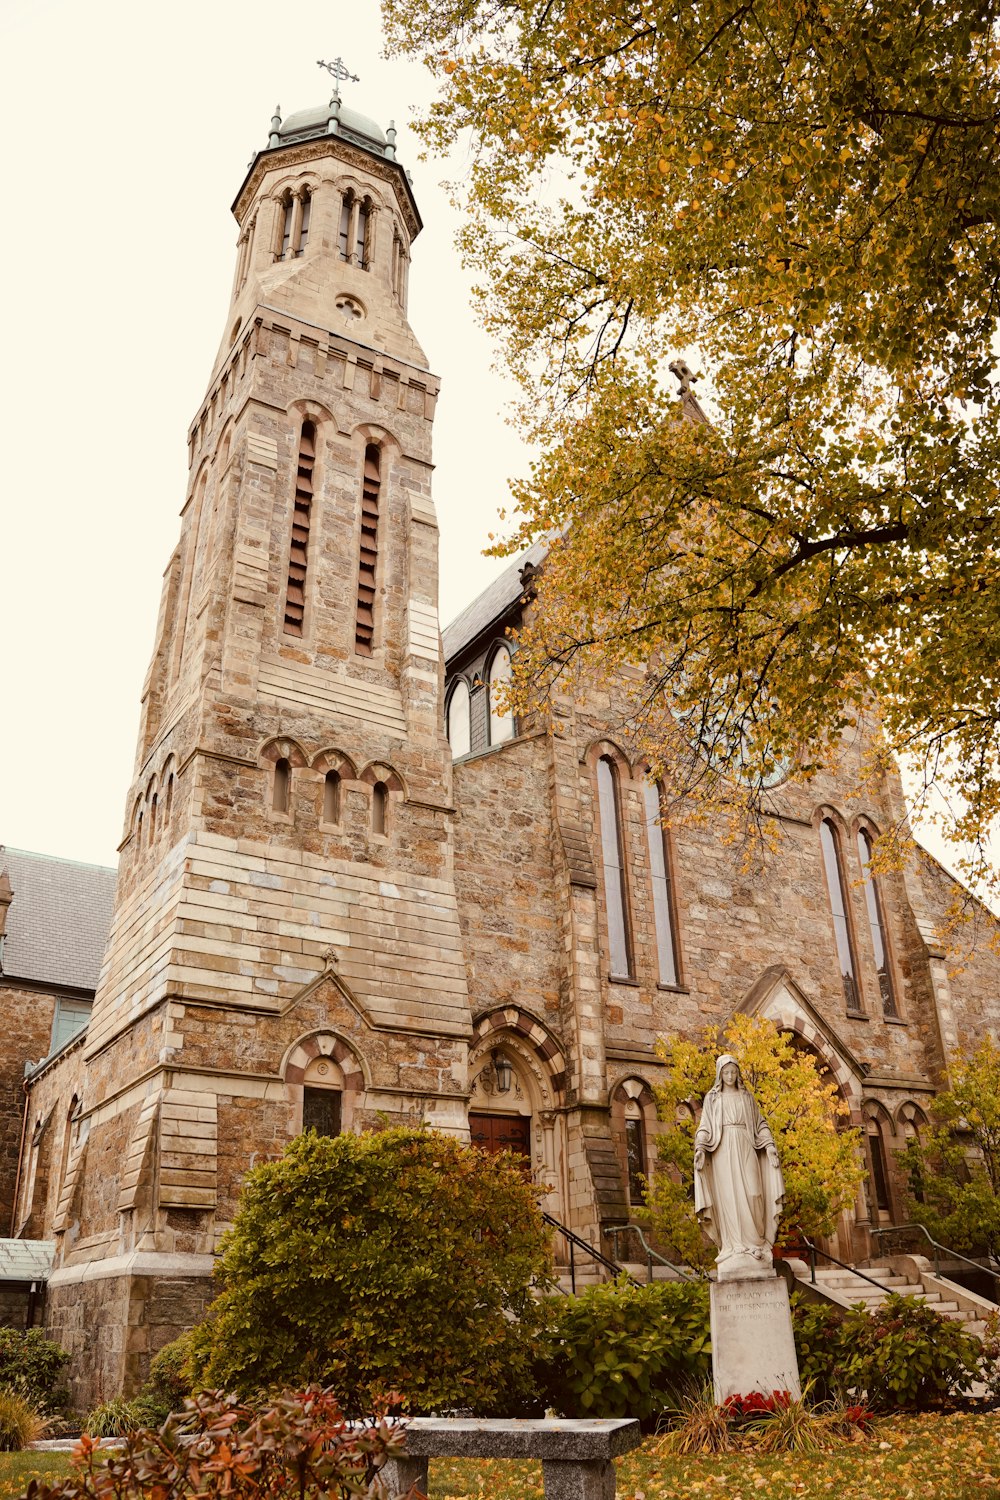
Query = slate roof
x=58 y=922
x=491 y=605
x=26 y=1260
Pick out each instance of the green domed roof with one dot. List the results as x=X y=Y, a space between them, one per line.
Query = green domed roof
x=353 y=126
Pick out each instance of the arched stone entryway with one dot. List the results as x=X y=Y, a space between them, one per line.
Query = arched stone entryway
x=516 y=1078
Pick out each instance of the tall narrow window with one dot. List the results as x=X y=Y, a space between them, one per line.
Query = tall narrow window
x=838 y=908
x=501 y=719
x=344 y=238
x=364 y=633
x=614 y=870
x=282 y=794
x=380 y=799
x=635 y=1154
x=459 y=727
x=304 y=221
x=331 y=797
x=168 y=802
x=663 y=895
x=879 y=1166
x=876 y=920
x=295 y=597
x=152 y=817
x=286 y=227
x=361 y=237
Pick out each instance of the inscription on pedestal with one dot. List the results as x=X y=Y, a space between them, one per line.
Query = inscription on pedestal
x=752 y=1344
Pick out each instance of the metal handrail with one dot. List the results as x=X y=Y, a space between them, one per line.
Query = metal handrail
x=616 y=1229
x=814 y=1250
x=938 y=1247
x=575 y=1242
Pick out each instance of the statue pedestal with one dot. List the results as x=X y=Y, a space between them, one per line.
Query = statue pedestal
x=752 y=1344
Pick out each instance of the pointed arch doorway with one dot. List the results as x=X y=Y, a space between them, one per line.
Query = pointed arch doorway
x=515 y=1094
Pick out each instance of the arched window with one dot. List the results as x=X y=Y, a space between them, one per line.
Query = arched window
x=168 y=802
x=304 y=221
x=876 y=920
x=152 y=817
x=285 y=226
x=878 y=1166
x=361 y=252
x=282 y=794
x=298 y=551
x=380 y=801
x=664 y=915
x=501 y=720
x=619 y=941
x=459 y=728
x=344 y=238
x=364 y=632
x=635 y=1155
x=838 y=907
x=331 y=797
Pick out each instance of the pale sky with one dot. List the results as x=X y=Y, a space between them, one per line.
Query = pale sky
x=128 y=131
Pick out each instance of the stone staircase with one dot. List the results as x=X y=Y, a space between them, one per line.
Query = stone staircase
x=908 y=1275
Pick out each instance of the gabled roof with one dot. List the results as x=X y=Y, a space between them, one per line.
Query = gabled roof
x=58 y=922
x=491 y=605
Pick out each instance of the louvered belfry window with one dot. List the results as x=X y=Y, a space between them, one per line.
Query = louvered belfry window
x=364 y=634
x=298 y=552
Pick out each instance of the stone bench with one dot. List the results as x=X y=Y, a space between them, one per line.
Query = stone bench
x=576 y=1455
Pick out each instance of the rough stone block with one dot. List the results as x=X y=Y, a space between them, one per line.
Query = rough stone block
x=752 y=1344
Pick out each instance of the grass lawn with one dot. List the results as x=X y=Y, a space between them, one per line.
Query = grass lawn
x=17 y=1470
x=927 y=1458
x=919 y=1458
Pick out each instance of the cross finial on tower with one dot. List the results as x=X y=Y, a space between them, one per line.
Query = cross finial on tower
x=338 y=70
x=684 y=373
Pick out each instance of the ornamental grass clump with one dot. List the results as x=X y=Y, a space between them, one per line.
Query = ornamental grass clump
x=20 y=1422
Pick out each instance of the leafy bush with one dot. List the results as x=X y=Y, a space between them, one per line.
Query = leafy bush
x=990 y=1367
x=20 y=1422
x=817 y=1327
x=901 y=1355
x=218 y=1450
x=623 y=1350
x=31 y=1365
x=171 y=1380
x=399 y=1260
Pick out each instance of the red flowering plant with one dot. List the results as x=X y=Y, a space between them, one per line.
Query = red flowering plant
x=756 y=1404
x=299 y=1444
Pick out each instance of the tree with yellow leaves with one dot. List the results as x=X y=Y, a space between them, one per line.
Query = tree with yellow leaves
x=821 y=1157
x=802 y=197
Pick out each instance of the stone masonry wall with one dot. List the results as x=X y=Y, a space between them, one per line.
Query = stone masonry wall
x=26 y=1025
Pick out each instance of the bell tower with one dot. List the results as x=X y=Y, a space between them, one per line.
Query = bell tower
x=285 y=945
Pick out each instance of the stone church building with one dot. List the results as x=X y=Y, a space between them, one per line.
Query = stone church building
x=352 y=891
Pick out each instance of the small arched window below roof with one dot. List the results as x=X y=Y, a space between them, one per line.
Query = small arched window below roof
x=501 y=719
x=380 y=802
x=459 y=727
x=282 y=793
x=331 y=797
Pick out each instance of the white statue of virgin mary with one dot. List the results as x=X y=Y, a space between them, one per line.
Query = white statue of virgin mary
x=738 y=1188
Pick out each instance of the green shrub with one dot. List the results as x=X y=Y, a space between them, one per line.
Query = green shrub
x=624 y=1350
x=20 y=1422
x=902 y=1355
x=31 y=1365
x=218 y=1450
x=400 y=1260
x=171 y=1380
x=817 y=1327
